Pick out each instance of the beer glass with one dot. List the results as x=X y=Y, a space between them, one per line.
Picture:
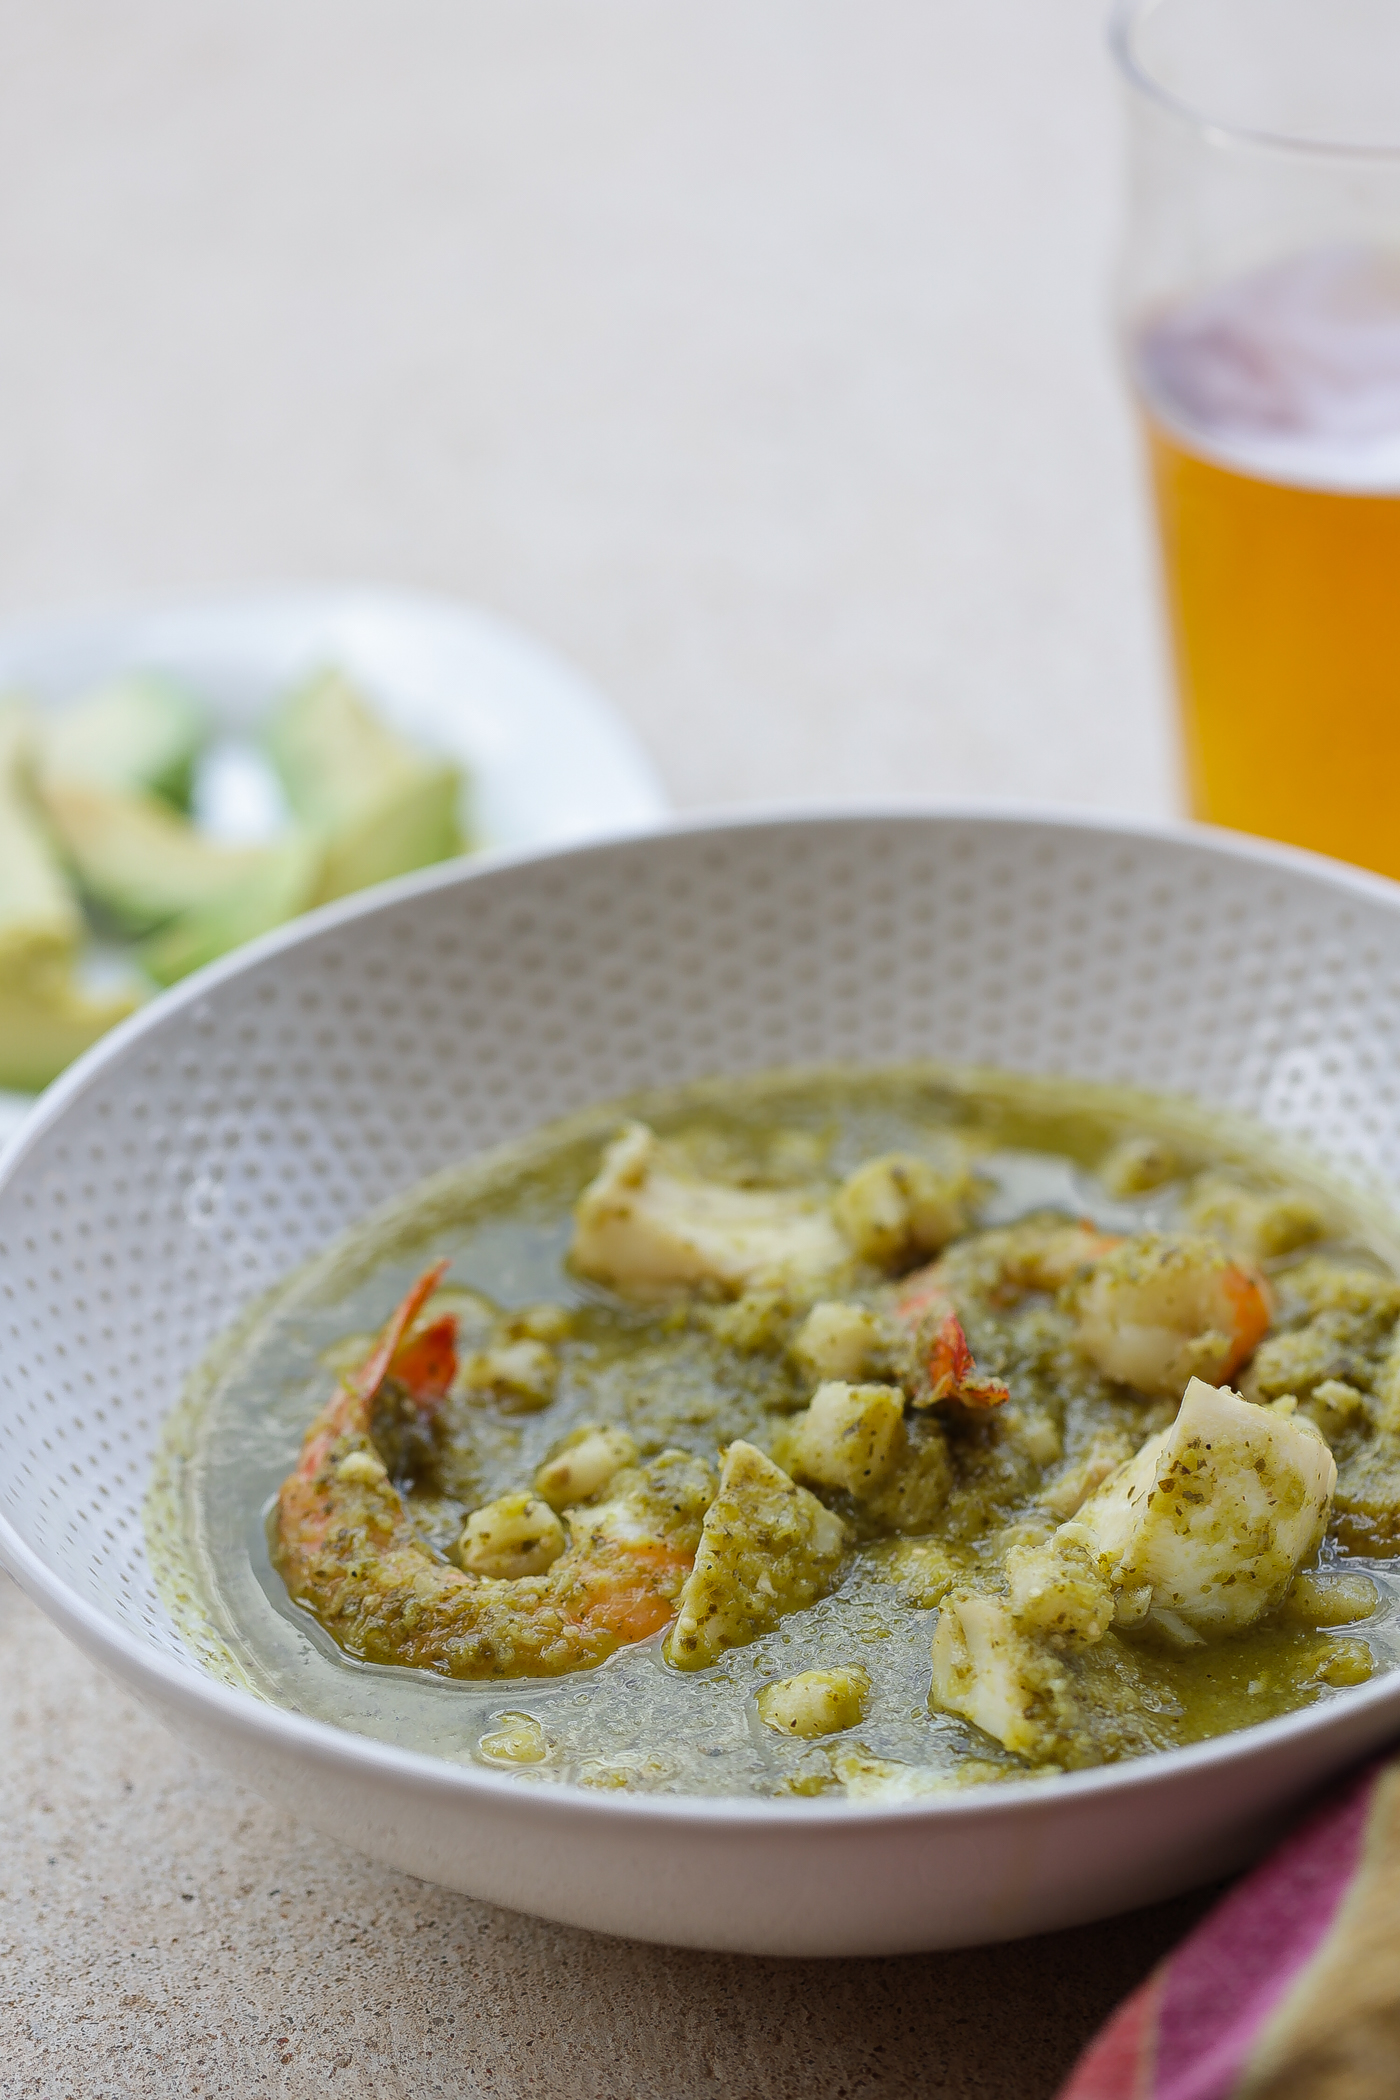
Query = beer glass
x=1259 y=296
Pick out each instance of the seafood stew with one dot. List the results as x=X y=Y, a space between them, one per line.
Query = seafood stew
x=850 y=1433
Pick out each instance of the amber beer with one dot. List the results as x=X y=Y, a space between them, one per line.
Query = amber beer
x=1273 y=419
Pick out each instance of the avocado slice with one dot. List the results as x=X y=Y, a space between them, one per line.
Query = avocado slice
x=409 y=828
x=46 y=1017
x=136 y=858
x=44 y=1026
x=140 y=734
x=381 y=807
x=40 y=920
x=281 y=885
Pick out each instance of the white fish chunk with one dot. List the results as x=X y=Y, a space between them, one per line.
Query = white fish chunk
x=1217 y=1514
x=1200 y=1533
x=645 y=1228
x=767 y=1548
x=987 y=1668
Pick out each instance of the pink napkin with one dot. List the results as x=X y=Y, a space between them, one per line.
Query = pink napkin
x=1290 y=1988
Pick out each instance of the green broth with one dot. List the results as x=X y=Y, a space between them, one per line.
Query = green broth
x=675 y=1379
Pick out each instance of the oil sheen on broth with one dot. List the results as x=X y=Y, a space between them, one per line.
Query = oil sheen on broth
x=1273 y=418
x=861 y=1433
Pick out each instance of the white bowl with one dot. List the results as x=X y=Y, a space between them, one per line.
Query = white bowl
x=216 y=1141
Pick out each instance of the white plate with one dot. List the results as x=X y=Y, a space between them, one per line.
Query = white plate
x=548 y=760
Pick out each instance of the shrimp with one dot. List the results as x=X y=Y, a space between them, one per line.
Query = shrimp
x=997 y=1268
x=349 y=1551
x=646 y=1228
x=1150 y=1312
x=953 y=1373
x=1159 y=1310
x=946 y=1368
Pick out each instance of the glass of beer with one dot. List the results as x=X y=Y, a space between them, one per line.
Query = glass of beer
x=1259 y=295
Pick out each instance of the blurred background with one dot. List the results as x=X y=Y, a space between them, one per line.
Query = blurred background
x=757 y=356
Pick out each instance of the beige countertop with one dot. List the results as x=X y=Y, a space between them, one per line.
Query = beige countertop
x=758 y=356
x=163 y=1935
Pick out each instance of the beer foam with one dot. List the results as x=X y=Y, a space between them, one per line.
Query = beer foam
x=1291 y=373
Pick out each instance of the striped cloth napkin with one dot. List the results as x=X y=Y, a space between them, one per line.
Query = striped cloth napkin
x=1290 y=1988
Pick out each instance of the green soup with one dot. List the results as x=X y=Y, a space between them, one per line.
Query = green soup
x=677 y=1503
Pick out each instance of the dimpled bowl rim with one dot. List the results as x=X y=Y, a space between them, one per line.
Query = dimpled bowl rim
x=798 y=1877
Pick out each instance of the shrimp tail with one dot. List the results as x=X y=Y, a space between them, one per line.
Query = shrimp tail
x=953 y=1373
x=426 y=1364
x=365 y=1382
x=348 y=1411
x=924 y=1308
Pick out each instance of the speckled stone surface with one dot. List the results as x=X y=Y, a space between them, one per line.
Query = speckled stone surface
x=758 y=355
x=163 y=1934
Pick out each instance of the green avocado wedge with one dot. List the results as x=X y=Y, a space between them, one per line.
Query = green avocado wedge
x=43 y=1027
x=138 y=734
x=136 y=858
x=284 y=882
x=46 y=1017
x=379 y=807
x=40 y=921
x=411 y=827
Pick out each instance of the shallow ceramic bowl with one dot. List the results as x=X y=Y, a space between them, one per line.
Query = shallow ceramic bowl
x=220 y=1138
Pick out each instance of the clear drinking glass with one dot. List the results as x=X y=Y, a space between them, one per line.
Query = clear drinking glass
x=1259 y=296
